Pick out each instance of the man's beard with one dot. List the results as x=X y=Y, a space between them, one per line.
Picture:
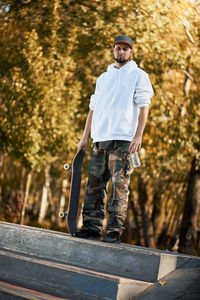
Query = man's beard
x=121 y=60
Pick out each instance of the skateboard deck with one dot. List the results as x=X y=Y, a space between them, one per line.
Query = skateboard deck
x=74 y=192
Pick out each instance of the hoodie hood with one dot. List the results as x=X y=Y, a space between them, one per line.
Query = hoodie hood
x=129 y=66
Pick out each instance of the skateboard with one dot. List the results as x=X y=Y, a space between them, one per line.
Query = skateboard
x=71 y=213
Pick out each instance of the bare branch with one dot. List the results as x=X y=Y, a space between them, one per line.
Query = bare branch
x=189 y=35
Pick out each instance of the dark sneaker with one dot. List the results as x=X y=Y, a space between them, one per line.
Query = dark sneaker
x=86 y=234
x=112 y=237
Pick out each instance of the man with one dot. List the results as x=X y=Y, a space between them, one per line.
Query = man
x=116 y=119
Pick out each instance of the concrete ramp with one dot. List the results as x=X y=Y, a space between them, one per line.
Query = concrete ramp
x=40 y=263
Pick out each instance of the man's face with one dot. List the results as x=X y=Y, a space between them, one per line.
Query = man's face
x=122 y=52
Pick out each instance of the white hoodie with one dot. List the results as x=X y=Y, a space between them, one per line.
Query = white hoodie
x=119 y=95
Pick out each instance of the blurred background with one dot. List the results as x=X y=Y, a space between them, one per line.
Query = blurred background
x=51 y=53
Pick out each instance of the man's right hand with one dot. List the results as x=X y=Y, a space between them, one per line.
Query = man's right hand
x=84 y=140
x=82 y=144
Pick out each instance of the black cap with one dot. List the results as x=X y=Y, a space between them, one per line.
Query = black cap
x=123 y=39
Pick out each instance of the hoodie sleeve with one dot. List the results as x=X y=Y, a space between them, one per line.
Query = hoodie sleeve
x=93 y=98
x=143 y=90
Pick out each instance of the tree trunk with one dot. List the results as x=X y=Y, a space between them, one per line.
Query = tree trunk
x=188 y=231
x=146 y=220
x=156 y=213
x=46 y=187
x=19 y=198
x=138 y=223
x=62 y=198
x=28 y=183
x=1 y=181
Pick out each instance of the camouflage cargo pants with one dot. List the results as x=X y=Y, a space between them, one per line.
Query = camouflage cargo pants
x=110 y=160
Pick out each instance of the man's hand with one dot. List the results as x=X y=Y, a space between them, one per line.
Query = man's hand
x=84 y=140
x=137 y=139
x=136 y=143
x=82 y=144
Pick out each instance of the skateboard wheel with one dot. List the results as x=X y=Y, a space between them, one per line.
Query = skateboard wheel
x=66 y=167
x=62 y=214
